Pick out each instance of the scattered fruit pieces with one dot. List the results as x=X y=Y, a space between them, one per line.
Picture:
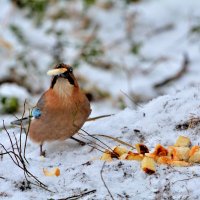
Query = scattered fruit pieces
x=179 y=155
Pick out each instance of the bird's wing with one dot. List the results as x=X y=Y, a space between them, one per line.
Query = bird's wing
x=36 y=113
x=41 y=102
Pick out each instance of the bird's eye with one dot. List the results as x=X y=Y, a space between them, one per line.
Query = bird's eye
x=70 y=70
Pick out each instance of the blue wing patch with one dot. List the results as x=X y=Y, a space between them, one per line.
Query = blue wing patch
x=36 y=113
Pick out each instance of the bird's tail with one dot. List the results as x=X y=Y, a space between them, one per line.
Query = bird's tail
x=23 y=122
x=98 y=117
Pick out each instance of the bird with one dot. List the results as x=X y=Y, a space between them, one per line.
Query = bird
x=61 y=111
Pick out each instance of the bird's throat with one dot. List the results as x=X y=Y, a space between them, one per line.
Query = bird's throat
x=63 y=88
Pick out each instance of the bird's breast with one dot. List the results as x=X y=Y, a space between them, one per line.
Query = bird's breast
x=62 y=116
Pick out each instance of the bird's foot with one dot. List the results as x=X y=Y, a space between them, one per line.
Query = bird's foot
x=43 y=153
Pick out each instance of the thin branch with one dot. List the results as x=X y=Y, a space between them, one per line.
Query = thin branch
x=79 y=195
x=11 y=142
x=17 y=157
x=131 y=99
x=21 y=127
x=176 y=76
x=187 y=179
x=101 y=172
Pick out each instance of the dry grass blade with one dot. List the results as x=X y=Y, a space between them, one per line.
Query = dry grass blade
x=91 y=141
x=90 y=144
x=116 y=140
x=106 y=146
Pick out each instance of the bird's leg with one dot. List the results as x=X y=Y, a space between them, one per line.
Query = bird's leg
x=73 y=138
x=77 y=140
x=42 y=153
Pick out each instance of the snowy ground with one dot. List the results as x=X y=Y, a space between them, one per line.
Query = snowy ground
x=143 y=44
x=80 y=166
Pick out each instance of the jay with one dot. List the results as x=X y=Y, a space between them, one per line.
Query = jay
x=62 y=109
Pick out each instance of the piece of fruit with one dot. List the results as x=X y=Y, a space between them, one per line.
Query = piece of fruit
x=165 y=160
x=179 y=153
x=194 y=155
x=134 y=156
x=177 y=163
x=160 y=150
x=151 y=155
x=106 y=156
x=182 y=141
x=141 y=148
x=148 y=165
x=53 y=172
x=123 y=156
x=193 y=150
x=120 y=150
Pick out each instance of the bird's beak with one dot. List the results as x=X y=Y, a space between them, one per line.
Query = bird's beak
x=54 y=72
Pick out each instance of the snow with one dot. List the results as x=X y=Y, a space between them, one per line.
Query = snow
x=156 y=121
x=163 y=28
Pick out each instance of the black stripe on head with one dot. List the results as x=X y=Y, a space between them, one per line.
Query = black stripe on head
x=70 y=79
x=53 y=82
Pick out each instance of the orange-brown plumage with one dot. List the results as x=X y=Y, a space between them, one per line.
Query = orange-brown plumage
x=64 y=109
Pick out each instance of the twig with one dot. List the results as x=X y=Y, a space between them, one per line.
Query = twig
x=131 y=99
x=79 y=195
x=19 y=160
x=11 y=142
x=178 y=75
x=105 y=182
x=187 y=179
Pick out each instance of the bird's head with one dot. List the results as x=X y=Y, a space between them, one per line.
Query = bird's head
x=63 y=77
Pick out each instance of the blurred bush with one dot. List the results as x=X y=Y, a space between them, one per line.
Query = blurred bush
x=9 y=105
